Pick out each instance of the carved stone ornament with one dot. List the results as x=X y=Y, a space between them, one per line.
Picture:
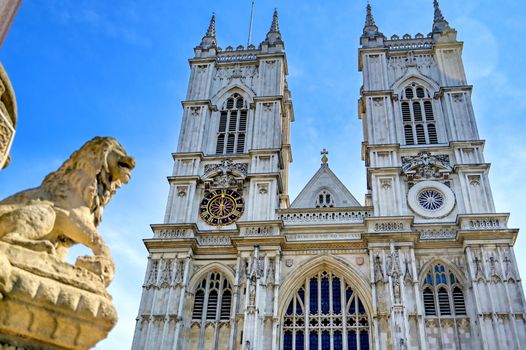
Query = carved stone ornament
x=8 y=117
x=226 y=174
x=378 y=270
x=49 y=303
x=227 y=166
x=426 y=166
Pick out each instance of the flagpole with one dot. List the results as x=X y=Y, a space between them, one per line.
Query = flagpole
x=250 y=28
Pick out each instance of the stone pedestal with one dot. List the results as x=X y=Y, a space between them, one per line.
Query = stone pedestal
x=48 y=304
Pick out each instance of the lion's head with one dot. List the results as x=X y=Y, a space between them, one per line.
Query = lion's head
x=94 y=172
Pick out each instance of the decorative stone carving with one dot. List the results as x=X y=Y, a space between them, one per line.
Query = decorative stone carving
x=457 y=97
x=271 y=271
x=378 y=270
x=267 y=106
x=484 y=224
x=495 y=276
x=388 y=226
x=151 y=281
x=195 y=111
x=166 y=273
x=259 y=231
x=263 y=188
x=173 y=233
x=386 y=184
x=479 y=269
x=330 y=216
x=214 y=240
x=227 y=166
x=508 y=269
x=393 y=270
x=226 y=174
x=47 y=302
x=181 y=191
x=408 y=276
x=67 y=207
x=8 y=117
x=426 y=166
x=437 y=234
x=289 y=262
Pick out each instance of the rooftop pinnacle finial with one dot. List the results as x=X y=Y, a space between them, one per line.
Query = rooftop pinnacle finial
x=370 y=29
x=439 y=22
x=274 y=35
x=369 y=19
x=209 y=40
x=212 y=26
x=324 y=159
x=274 y=27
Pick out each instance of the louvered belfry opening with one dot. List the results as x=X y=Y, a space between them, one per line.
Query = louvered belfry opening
x=417 y=116
x=442 y=293
x=213 y=299
x=231 y=136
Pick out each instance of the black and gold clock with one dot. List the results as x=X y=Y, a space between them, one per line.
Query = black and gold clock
x=221 y=207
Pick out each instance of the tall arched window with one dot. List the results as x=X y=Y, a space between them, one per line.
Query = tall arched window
x=213 y=299
x=417 y=116
x=232 y=126
x=442 y=293
x=324 y=199
x=325 y=313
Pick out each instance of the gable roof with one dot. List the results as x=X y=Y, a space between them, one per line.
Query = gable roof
x=325 y=179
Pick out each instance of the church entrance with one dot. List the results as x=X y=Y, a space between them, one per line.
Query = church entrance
x=325 y=314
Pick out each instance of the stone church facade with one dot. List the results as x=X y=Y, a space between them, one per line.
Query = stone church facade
x=426 y=263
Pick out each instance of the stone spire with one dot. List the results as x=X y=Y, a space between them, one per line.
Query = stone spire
x=274 y=27
x=274 y=35
x=439 y=22
x=209 y=40
x=370 y=28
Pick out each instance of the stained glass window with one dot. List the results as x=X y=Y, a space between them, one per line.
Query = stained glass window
x=334 y=317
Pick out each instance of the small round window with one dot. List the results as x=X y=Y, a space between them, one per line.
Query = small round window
x=431 y=199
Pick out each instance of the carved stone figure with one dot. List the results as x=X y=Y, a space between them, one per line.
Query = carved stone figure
x=426 y=166
x=67 y=207
x=46 y=303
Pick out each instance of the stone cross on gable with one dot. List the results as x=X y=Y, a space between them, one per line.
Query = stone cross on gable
x=324 y=159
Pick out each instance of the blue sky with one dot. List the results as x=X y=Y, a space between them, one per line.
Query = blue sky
x=119 y=68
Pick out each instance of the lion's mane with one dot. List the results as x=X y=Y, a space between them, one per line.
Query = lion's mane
x=86 y=172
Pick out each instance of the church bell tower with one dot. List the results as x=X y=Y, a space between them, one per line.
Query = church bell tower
x=230 y=174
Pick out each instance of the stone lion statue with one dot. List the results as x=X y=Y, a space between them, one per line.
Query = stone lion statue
x=67 y=207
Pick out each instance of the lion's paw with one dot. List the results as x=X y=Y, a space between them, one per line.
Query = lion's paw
x=99 y=265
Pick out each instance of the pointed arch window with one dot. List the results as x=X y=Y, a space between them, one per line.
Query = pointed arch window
x=325 y=313
x=417 y=116
x=324 y=199
x=213 y=299
x=442 y=293
x=231 y=135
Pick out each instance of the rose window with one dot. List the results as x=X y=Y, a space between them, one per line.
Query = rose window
x=431 y=199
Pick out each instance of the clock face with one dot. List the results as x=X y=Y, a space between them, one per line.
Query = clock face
x=221 y=207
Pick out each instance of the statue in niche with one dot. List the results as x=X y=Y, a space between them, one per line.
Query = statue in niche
x=67 y=207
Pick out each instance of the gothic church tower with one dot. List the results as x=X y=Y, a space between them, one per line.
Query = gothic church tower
x=426 y=263
x=230 y=174
x=426 y=172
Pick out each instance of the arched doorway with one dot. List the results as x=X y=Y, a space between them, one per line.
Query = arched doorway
x=325 y=313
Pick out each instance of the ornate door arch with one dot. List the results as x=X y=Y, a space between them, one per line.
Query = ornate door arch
x=325 y=313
